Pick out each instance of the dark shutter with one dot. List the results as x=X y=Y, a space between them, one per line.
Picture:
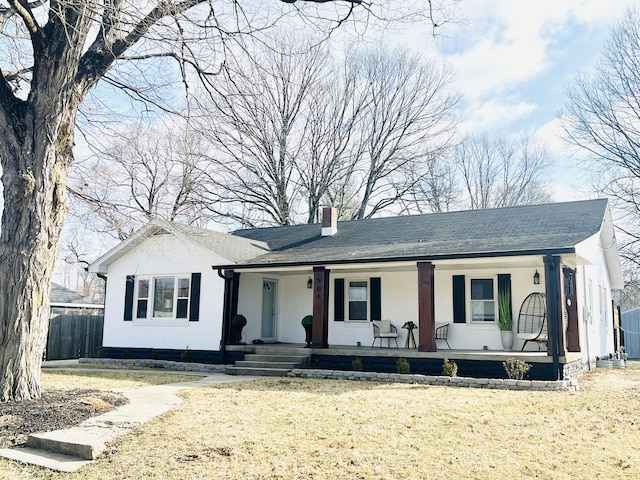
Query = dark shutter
x=459 y=300
x=194 y=309
x=128 y=298
x=338 y=300
x=504 y=286
x=376 y=302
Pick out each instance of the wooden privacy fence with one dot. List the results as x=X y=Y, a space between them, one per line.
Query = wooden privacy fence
x=74 y=336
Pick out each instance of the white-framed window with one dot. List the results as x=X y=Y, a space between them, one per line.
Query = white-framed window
x=162 y=297
x=357 y=300
x=482 y=300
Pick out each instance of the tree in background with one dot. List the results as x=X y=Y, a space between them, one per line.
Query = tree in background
x=150 y=172
x=407 y=119
x=501 y=172
x=602 y=118
x=253 y=119
x=296 y=131
x=52 y=54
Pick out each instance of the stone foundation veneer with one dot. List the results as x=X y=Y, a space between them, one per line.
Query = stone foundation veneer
x=159 y=364
x=496 y=383
x=470 y=382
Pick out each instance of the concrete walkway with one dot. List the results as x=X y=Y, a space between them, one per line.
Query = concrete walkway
x=70 y=449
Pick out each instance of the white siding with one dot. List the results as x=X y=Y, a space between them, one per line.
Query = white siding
x=399 y=302
x=165 y=255
x=594 y=301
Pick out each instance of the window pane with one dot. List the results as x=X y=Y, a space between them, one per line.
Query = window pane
x=482 y=311
x=183 y=288
x=482 y=289
x=358 y=304
x=358 y=291
x=357 y=310
x=163 y=297
x=143 y=289
x=142 y=309
x=181 y=307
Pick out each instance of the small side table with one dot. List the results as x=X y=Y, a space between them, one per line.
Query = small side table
x=410 y=342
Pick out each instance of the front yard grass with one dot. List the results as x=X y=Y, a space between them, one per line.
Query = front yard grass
x=324 y=429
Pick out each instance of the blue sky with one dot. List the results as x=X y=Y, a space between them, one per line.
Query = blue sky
x=514 y=60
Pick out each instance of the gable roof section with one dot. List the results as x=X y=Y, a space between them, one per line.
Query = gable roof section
x=233 y=248
x=532 y=229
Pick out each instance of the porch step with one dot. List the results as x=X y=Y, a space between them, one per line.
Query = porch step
x=263 y=372
x=261 y=357
x=260 y=364
x=270 y=362
x=280 y=350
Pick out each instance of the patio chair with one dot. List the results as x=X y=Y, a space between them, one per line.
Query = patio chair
x=442 y=332
x=384 y=329
x=532 y=320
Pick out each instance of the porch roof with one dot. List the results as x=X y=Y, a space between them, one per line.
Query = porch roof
x=524 y=230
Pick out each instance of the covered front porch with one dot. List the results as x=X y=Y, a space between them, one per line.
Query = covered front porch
x=344 y=299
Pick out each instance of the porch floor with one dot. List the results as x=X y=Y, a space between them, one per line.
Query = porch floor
x=367 y=351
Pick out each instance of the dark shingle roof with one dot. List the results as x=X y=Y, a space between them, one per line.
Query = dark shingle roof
x=512 y=230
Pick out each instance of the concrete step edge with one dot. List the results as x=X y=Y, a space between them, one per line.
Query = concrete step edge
x=41 y=458
x=275 y=358
x=253 y=364
x=264 y=372
x=67 y=442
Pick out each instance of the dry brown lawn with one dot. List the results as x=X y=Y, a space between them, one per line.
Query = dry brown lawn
x=323 y=429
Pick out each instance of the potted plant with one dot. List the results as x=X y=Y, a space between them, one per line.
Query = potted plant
x=505 y=320
x=237 y=324
x=307 y=323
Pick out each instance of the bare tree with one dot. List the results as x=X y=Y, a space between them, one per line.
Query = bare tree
x=297 y=131
x=254 y=119
x=602 y=118
x=53 y=54
x=329 y=155
x=149 y=172
x=434 y=187
x=501 y=172
x=407 y=118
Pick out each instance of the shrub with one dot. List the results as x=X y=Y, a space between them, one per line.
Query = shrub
x=516 y=368
x=356 y=364
x=450 y=369
x=186 y=355
x=402 y=366
x=239 y=321
x=307 y=321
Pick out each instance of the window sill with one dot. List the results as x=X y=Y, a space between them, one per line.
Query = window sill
x=481 y=325
x=157 y=322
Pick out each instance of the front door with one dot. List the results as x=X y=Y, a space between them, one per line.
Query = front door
x=268 y=332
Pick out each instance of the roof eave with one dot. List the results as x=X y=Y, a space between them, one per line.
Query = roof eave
x=101 y=265
x=416 y=258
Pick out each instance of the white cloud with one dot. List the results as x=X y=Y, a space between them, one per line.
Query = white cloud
x=507 y=46
x=495 y=111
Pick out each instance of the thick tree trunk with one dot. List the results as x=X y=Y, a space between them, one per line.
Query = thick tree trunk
x=35 y=153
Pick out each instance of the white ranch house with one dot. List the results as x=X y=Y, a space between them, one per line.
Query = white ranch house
x=172 y=288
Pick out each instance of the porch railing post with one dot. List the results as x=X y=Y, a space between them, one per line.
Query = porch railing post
x=571 y=303
x=426 y=308
x=553 y=279
x=320 y=327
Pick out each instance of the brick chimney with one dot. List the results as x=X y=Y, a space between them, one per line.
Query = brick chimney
x=329 y=221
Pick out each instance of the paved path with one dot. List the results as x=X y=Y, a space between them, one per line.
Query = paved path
x=69 y=449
